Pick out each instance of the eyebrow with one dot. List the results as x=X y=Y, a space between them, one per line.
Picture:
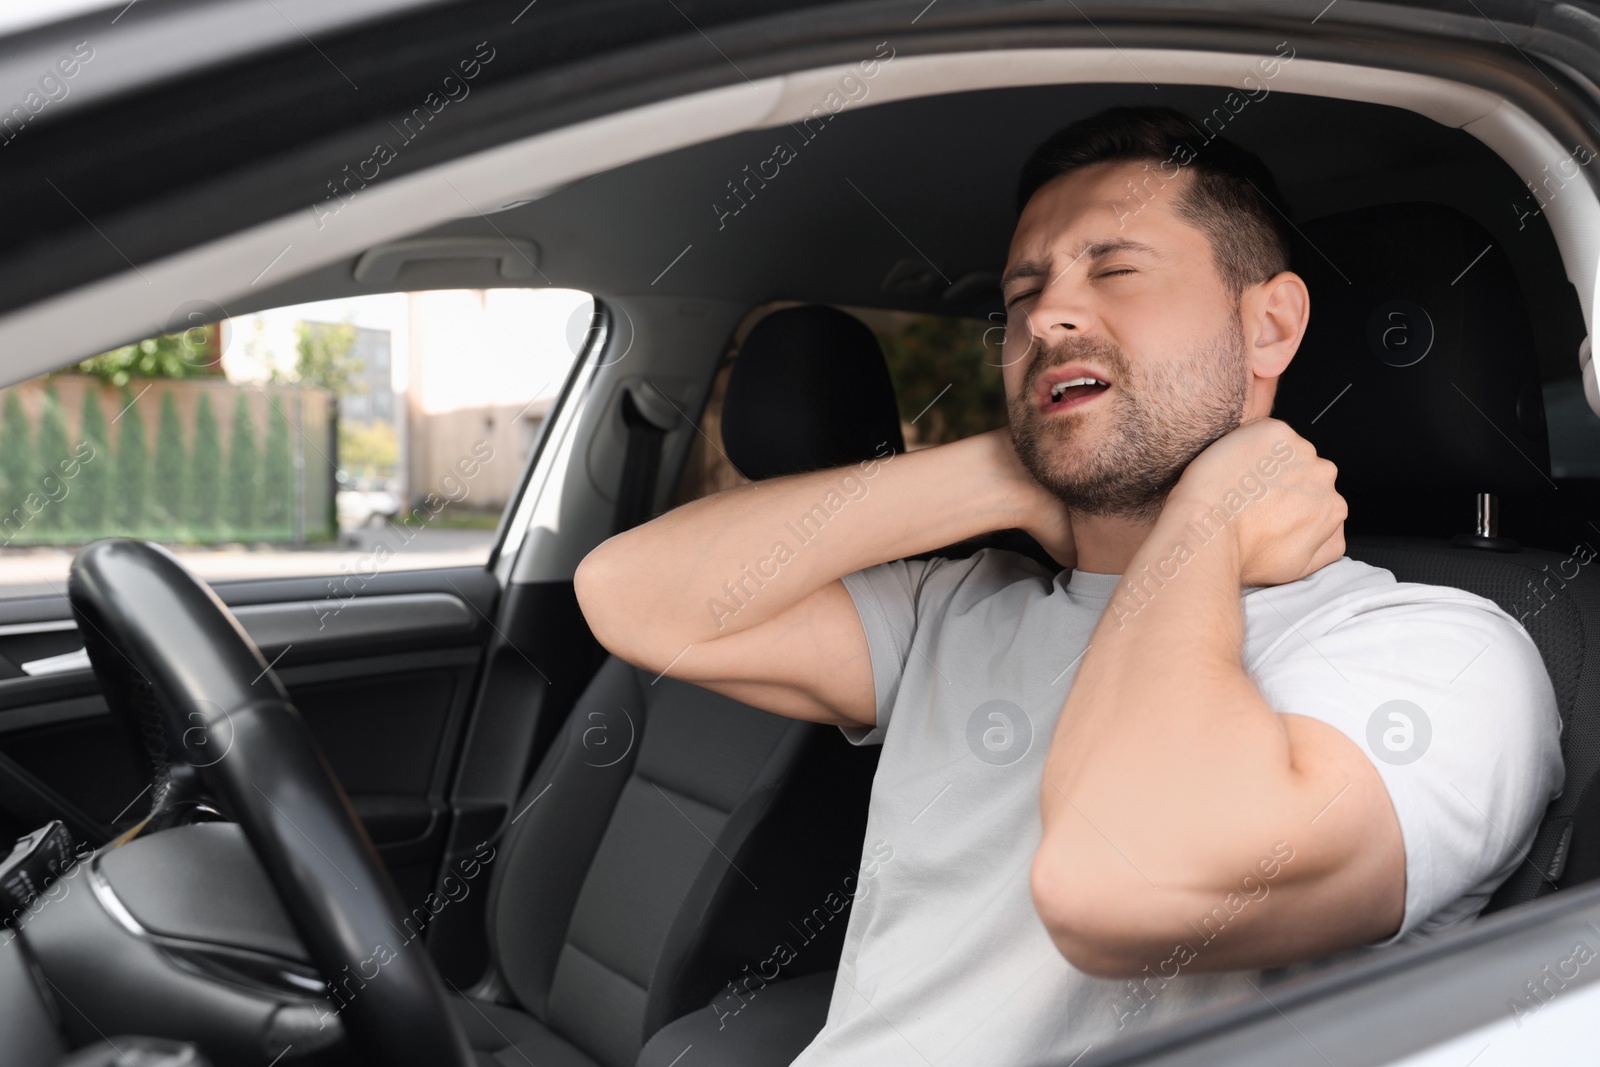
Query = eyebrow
x=1032 y=268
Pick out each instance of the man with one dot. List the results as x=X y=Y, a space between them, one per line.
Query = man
x=1211 y=746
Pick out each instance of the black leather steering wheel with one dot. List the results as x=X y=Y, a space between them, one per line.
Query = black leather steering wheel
x=199 y=698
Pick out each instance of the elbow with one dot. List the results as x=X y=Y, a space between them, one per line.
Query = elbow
x=1103 y=925
x=609 y=595
x=592 y=585
x=584 y=586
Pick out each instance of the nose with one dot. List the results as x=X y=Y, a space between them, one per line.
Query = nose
x=1060 y=308
x=1057 y=312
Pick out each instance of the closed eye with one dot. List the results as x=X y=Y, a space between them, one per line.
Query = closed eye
x=1020 y=296
x=1120 y=270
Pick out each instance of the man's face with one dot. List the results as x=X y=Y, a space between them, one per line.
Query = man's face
x=1107 y=285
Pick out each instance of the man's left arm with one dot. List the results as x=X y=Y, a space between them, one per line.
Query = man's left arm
x=1173 y=791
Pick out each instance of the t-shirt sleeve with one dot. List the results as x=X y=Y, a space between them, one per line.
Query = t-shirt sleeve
x=899 y=599
x=1450 y=699
x=886 y=598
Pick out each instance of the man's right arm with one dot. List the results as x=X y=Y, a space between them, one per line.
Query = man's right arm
x=740 y=591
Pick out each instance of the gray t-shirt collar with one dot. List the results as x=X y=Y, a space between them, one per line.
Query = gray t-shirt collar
x=1087 y=585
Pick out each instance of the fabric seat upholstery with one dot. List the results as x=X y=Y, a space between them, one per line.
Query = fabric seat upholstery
x=669 y=832
x=771 y=1028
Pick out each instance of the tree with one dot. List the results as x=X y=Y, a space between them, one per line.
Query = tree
x=325 y=356
x=94 y=476
x=129 y=502
x=169 y=473
x=244 y=471
x=185 y=354
x=53 y=449
x=16 y=459
x=371 y=450
x=205 y=471
x=277 y=477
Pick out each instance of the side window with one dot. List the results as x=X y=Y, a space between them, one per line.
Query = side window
x=373 y=432
x=945 y=372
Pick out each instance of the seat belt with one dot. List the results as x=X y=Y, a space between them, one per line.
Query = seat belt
x=648 y=415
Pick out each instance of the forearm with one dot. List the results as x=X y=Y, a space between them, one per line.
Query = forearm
x=737 y=558
x=1169 y=775
x=1173 y=794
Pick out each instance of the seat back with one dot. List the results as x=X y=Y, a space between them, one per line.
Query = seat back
x=1417 y=374
x=1417 y=377
x=669 y=835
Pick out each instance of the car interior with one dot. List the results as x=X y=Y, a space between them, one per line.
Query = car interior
x=652 y=841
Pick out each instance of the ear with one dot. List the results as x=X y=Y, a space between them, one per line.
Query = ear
x=1273 y=315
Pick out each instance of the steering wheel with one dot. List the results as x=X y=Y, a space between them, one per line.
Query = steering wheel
x=201 y=701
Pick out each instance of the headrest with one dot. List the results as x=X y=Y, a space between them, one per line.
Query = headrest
x=809 y=390
x=1417 y=371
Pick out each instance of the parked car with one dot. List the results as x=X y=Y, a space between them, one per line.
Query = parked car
x=362 y=503
x=403 y=814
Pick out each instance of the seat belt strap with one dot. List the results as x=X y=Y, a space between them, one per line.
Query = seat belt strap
x=648 y=419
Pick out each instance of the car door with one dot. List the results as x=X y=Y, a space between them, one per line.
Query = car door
x=340 y=472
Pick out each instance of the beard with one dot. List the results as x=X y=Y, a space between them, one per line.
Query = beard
x=1161 y=419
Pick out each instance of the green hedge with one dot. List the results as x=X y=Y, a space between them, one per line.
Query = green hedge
x=58 y=491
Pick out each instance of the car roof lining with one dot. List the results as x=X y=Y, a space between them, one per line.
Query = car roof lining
x=230 y=272
x=950 y=197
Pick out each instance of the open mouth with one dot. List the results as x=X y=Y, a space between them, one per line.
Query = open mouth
x=1070 y=393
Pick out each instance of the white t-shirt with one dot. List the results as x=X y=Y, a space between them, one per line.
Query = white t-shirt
x=945 y=959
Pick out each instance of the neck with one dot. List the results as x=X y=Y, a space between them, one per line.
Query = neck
x=1106 y=543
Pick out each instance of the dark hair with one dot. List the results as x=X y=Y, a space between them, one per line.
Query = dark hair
x=1232 y=198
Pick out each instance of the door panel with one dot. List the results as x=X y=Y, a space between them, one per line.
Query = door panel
x=383 y=679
